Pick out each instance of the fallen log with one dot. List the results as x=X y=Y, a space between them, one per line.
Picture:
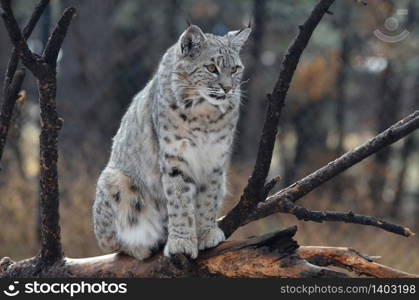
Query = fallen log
x=275 y=254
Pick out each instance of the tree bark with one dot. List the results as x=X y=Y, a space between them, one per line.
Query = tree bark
x=49 y=193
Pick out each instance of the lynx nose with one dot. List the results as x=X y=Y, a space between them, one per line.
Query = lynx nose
x=226 y=88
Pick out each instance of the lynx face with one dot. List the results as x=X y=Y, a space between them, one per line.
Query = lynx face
x=209 y=67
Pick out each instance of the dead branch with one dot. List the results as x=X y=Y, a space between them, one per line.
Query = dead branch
x=302 y=187
x=57 y=37
x=16 y=37
x=44 y=69
x=351 y=260
x=302 y=213
x=254 y=191
x=14 y=80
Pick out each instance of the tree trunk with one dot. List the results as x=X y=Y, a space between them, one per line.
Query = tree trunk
x=49 y=194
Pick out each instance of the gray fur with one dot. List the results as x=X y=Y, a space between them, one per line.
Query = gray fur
x=166 y=177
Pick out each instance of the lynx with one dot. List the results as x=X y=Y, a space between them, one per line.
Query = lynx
x=166 y=176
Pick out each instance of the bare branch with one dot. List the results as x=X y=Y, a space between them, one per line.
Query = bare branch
x=33 y=20
x=349 y=259
x=307 y=184
x=302 y=213
x=13 y=81
x=57 y=37
x=27 y=31
x=253 y=193
x=16 y=37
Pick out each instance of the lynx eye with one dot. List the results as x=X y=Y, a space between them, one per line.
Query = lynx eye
x=235 y=69
x=212 y=68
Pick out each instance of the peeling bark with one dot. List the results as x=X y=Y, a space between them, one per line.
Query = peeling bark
x=351 y=260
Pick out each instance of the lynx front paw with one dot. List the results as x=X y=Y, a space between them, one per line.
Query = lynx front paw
x=181 y=245
x=211 y=238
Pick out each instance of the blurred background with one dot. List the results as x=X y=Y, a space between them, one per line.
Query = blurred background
x=359 y=74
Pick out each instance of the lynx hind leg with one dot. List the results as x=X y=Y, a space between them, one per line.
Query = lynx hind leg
x=104 y=221
x=137 y=227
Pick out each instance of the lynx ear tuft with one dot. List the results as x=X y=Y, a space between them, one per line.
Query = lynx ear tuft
x=192 y=41
x=239 y=37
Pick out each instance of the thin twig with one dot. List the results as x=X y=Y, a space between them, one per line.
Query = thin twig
x=302 y=213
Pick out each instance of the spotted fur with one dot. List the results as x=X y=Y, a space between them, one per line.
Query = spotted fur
x=166 y=177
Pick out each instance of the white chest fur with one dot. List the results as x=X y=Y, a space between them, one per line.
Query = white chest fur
x=202 y=137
